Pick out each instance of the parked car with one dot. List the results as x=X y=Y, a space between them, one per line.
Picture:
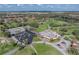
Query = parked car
x=60 y=46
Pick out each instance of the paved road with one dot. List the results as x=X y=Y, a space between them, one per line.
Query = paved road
x=11 y=52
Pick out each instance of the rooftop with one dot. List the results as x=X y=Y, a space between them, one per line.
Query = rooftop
x=49 y=34
x=16 y=30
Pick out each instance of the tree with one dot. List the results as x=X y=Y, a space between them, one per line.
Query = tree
x=73 y=51
x=2 y=27
x=76 y=34
x=63 y=29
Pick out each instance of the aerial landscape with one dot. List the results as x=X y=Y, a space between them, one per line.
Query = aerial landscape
x=39 y=33
x=39 y=29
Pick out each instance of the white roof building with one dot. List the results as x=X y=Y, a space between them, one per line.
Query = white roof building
x=49 y=34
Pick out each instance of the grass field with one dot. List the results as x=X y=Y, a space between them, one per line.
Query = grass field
x=44 y=49
x=41 y=49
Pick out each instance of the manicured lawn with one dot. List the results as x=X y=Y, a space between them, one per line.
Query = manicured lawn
x=26 y=51
x=44 y=49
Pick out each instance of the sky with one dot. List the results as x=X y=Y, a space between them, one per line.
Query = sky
x=39 y=7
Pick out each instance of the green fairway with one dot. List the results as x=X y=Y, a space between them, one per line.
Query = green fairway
x=43 y=49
